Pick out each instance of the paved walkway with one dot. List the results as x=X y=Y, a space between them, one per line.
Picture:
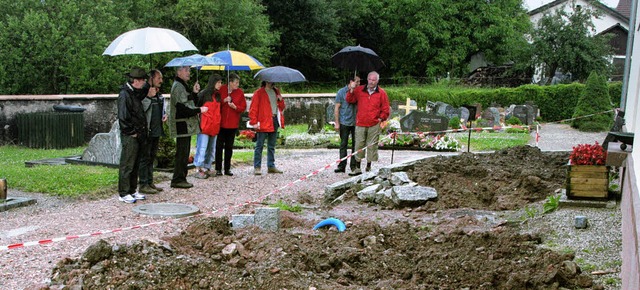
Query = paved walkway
x=561 y=137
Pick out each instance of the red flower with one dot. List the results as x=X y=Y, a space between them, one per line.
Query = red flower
x=247 y=134
x=587 y=154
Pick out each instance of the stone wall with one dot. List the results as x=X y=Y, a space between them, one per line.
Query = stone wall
x=101 y=110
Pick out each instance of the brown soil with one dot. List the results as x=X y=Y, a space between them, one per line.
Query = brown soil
x=409 y=251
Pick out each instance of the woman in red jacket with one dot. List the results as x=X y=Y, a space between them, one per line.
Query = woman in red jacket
x=265 y=115
x=209 y=126
x=232 y=106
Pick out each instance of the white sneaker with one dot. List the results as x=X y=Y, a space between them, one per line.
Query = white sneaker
x=127 y=199
x=138 y=196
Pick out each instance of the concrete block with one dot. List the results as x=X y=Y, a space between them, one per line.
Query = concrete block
x=581 y=222
x=239 y=221
x=268 y=218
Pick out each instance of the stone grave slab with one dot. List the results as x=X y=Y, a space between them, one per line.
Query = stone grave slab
x=172 y=210
x=419 y=121
x=14 y=202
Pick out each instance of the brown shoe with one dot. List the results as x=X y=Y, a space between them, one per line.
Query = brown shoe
x=146 y=189
x=158 y=189
x=274 y=170
x=257 y=171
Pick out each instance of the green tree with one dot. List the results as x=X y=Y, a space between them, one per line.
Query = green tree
x=566 y=42
x=594 y=100
x=308 y=35
x=214 y=25
x=53 y=47
x=435 y=38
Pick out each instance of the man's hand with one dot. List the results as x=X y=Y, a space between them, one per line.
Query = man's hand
x=336 y=126
x=257 y=126
x=152 y=92
x=165 y=118
x=196 y=88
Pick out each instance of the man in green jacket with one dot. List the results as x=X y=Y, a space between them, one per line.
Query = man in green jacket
x=183 y=123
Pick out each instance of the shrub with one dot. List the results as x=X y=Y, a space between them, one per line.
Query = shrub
x=513 y=120
x=594 y=99
x=454 y=123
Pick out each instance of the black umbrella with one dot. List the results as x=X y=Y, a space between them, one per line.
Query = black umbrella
x=357 y=58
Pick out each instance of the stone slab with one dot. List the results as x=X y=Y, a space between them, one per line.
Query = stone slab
x=564 y=201
x=13 y=202
x=239 y=221
x=173 y=210
x=268 y=218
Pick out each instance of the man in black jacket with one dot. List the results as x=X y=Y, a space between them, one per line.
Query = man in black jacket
x=133 y=132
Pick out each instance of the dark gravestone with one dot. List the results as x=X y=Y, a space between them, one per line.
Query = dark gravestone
x=464 y=115
x=524 y=113
x=472 y=110
x=330 y=116
x=317 y=117
x=418 y=121
x=441 y=108
x=492 y=116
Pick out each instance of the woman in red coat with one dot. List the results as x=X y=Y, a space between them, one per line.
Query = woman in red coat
x=209 y=126
x=265 y=115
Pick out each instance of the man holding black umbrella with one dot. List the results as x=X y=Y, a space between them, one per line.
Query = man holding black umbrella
x=373 y=108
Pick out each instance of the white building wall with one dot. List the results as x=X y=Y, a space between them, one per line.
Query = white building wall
x=601 y=24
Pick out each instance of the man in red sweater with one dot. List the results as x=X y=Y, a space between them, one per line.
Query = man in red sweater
x=233 y=104
x=373 y=108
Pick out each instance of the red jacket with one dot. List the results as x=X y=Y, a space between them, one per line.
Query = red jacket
x=372 y=109
x=231 y=117
x=210 y=121
x=260 y=111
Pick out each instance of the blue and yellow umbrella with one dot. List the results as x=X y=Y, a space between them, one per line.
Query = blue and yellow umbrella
x=234 y=60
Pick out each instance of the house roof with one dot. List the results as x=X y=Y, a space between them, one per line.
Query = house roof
x=606 y=9
x=624 y=7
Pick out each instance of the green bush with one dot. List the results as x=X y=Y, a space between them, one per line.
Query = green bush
x=454 y=123
x=556 y=102
x=513 y=120
x=593 y=100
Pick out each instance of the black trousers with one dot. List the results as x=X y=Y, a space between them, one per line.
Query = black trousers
x=183 y=145
x=148 y=151
x=226 y=137
x=129 y=164
x=345 y=131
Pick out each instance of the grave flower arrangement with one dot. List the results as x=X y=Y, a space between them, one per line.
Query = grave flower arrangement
x=588 y=154
x=248 y=135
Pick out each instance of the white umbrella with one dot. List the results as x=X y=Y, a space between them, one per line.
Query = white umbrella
x=147 y=41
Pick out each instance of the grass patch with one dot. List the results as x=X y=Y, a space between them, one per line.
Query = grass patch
x=68 y=180
x=284 y=206
x=489 y=141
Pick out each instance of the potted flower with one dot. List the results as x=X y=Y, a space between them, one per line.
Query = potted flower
x=588 y=176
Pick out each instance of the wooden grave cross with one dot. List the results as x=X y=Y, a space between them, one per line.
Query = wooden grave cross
x=408 y=107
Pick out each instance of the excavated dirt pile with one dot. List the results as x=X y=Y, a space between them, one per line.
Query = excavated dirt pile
x=456 y=254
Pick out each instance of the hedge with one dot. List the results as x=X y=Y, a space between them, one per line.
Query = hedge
x=555 y=102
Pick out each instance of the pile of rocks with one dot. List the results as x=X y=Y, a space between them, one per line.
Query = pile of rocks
x=388 y=186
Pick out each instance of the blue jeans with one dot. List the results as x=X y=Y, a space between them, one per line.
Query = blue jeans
x=205 y=150
x=271 y=149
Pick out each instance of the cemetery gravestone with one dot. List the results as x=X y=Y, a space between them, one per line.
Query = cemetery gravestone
x=330 y=117
x=524 y=114
x=492 y=116
x=419 y=121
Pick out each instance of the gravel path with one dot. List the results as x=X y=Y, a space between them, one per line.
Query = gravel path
x=53 y=217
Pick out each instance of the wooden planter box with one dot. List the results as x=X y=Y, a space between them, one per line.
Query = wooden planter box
x=587 y=181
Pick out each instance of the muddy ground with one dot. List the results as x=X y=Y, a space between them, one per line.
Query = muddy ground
x=407 y=250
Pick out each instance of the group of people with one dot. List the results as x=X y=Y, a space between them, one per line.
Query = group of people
x=358 y=114
x=213 y=114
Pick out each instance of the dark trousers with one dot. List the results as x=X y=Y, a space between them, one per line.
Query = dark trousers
x=226 y=137
x=129 y=164
x=148 y=151
x=345 y=131
x=183 y=145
